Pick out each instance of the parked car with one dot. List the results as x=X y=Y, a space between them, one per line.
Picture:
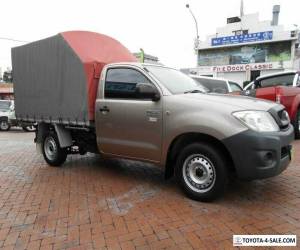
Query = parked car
x=144 y=112
x=217 y=85
x=8 y=117
x=283 y=88
x=257 y=56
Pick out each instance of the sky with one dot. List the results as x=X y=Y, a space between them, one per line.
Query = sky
x=163 y=28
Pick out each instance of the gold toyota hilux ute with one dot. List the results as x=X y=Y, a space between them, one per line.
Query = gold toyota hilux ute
x=84 y=103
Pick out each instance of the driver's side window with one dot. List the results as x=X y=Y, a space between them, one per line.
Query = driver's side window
x=120 y=83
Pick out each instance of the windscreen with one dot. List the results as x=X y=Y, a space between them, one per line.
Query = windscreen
x=175 y=81
x=234 y=86
x=284 y=80
x=4 y=105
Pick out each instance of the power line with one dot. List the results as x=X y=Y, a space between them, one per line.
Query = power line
x=14 y=40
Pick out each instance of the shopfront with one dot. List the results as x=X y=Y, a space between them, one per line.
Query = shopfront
x=247 y=48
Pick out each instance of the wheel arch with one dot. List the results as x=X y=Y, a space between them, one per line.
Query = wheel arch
x=185 y=139
x=64 y=135
x=3 y=118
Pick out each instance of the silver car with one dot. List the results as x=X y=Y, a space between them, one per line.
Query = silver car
x=217 y=85
x=8 y=117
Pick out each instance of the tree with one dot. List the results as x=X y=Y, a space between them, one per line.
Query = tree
x=7 y=76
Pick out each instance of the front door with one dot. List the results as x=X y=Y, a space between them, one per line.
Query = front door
x=128 y=126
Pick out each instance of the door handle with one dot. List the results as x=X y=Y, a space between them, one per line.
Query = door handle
x=104 y=109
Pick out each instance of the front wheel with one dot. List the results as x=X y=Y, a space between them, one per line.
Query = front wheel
x=4 y=125
x=53 y=154
x=201 y=171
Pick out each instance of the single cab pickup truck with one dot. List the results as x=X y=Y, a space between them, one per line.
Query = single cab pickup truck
x=283 y=88
x=85 y=99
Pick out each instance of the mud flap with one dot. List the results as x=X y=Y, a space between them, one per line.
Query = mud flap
x=42 y=128
x=64 y=136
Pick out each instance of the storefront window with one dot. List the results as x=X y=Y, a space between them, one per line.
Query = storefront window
x=259 y=53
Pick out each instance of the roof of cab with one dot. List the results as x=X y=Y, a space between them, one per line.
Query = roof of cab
x=277 y=74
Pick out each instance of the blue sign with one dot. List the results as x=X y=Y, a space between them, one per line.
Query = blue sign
x=252 y=37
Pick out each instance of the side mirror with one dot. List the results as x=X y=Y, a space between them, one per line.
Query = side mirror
x=256 y=84
x=147 y=91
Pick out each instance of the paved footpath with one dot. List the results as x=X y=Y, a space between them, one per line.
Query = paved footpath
x=91 y=203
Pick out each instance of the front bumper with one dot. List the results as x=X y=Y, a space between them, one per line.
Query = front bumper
x=260 y=155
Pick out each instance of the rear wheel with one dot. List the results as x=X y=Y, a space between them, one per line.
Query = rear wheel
x=296 y=124
x=53 y=154
x=4 y=125
x=29 y=128
x=202 y=172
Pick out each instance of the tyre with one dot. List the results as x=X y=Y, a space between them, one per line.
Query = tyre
x=201 y=172
x=53 y=154
x=296 y=124
x=29 y=128
x=4 y=125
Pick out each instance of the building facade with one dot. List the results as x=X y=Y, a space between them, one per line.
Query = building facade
x=246 y=48
x=6 y=91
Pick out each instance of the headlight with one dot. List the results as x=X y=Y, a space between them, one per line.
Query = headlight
x=260 y=121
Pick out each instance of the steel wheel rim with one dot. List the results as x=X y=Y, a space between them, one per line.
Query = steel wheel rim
x=4 y=125
x=50 y=148
x=199 y=173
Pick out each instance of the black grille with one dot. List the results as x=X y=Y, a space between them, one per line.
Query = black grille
x=285 y=151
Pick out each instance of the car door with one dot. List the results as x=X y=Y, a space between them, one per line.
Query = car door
x=128 y=126
x=12 y=110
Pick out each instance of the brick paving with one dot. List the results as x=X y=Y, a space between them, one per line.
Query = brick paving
x=92 y=203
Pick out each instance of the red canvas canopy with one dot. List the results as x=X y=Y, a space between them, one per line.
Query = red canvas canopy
x=95 y=51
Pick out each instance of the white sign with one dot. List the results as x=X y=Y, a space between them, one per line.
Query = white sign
x=246 y=67
x=237 y=68
x=264 y=240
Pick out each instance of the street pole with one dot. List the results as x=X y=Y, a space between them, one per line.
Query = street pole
x=196 y=24
x=142 y=54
